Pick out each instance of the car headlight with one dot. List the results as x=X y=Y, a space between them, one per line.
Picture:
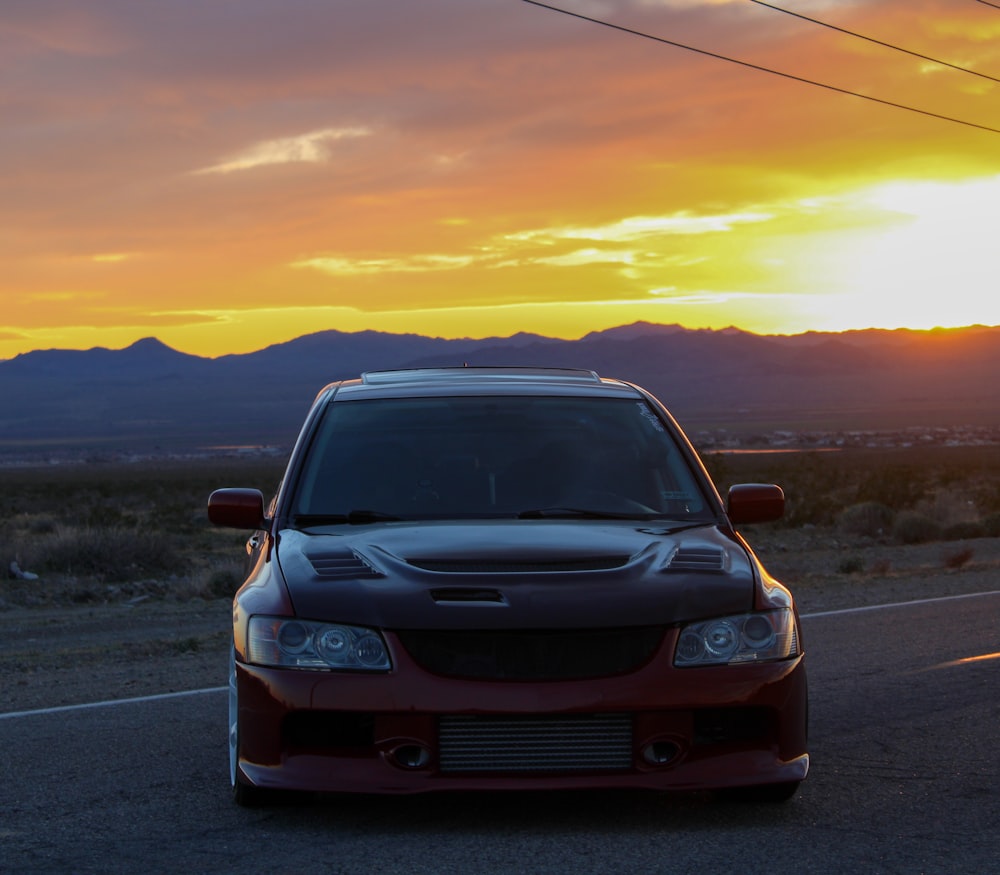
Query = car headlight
x=292 y=643
x=742 y=638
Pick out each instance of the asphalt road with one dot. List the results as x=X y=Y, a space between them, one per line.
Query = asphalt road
x=904 y=735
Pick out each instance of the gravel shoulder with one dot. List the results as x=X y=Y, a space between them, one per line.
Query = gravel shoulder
x=55 y=651
x=53 y=656
x=828 y=572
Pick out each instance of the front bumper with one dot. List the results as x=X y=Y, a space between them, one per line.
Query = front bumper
x=409 y=731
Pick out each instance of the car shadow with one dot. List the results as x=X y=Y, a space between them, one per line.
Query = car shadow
x=524 y=812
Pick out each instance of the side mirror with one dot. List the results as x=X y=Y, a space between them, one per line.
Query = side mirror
x=237 y=508
x=755 y=503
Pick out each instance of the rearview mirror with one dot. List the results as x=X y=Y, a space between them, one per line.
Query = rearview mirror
x=755 y=503
x=237 y=508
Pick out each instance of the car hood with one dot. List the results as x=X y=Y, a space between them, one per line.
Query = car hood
x=509 y=574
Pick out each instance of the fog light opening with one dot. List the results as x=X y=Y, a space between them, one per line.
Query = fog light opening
x=411 y=756
x=660 y=753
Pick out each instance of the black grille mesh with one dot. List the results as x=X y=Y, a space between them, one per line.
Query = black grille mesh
x=530 y=655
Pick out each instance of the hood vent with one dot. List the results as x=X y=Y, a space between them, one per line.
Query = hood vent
x=519 y=566
x=342 y=566
x=704 y=559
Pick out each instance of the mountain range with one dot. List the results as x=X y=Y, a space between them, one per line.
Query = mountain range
x=149 y=395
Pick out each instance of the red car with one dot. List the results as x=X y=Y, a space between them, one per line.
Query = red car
x=507 y=579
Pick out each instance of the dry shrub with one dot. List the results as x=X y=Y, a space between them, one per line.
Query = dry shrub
x=851 y=565
x=869 y=518
x=108 y=554
x=963 y=531
x=957 y=558
x=952 y=505
x=881 y=567
x=991 y=525
x=219 y=580
x=911 y=527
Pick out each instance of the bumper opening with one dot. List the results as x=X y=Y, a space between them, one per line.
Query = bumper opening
x=733 y=725
x=322 y=730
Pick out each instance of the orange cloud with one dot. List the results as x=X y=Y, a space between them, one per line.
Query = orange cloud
x=465 y=168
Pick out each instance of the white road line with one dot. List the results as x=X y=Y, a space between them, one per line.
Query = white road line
x=109 y=703
x=944 y=598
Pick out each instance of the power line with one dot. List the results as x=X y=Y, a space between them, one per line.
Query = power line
x=878 y=42
x=761 y=69
x=987 y=3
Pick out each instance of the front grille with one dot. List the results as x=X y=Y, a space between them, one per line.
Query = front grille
x=532 y=655
x=519 y=566
x=571 y=743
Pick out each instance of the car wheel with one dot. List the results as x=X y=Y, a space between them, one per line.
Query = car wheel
x=243 y=794
x=760 y=793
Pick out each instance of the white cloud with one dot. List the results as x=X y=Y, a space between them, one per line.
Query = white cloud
x=311 y=148
x=610 y=244
x=640 y=227
x=341 y=265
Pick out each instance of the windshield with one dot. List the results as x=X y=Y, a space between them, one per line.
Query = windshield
x=481 y=457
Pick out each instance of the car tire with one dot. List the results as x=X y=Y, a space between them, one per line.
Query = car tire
x=760 y=793
x=244 y=794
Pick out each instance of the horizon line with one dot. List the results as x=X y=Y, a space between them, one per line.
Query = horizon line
x=675 y=326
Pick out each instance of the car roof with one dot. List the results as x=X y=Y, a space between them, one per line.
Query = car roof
x=492 y=374
x=481 y=381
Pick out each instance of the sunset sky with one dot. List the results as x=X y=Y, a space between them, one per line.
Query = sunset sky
x=227 y=174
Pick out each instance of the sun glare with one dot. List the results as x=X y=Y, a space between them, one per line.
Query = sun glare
x=932 y=264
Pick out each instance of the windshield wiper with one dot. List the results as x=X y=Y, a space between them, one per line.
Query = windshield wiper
x=680 y=527
x=355 y=517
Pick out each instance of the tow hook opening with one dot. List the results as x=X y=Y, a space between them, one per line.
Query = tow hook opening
x=411 y=756
x=660 y=753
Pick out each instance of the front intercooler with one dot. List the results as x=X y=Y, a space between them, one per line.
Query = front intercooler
x=570 y=743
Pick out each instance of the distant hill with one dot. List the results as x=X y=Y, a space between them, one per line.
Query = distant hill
x=149 y=395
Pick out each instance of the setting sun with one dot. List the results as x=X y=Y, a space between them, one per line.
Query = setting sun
x=937 y=253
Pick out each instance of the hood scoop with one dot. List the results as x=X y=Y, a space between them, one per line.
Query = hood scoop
x=526 y=565
x=710 y=560
x=342 y=565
